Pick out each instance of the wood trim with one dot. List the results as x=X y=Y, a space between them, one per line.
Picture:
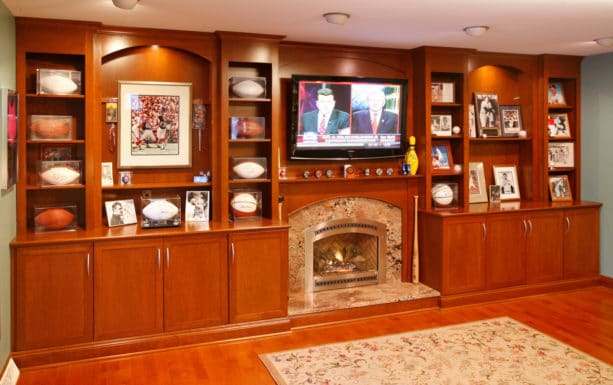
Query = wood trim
x=606 y=281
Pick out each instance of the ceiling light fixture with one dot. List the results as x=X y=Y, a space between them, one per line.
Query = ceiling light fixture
x=476 y=30
x=605 y=41
x=337 y=18
x=125 y=4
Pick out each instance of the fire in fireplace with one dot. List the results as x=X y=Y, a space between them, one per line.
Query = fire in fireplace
x=344 y=253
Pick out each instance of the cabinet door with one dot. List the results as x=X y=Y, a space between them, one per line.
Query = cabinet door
x=505 y=250
x=581 y=243
x=52 y=296
x=464 y=264
x=258 y=275
x=544 y=247
x=127 y=288
x=195 y=282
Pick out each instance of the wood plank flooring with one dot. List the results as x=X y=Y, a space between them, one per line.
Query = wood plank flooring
x=581 y=318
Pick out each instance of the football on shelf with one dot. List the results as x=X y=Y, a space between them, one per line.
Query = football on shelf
x=160 y=210
x=442 y=194
x=248 y=129
x=50 y=128
x=244 y=205
x=58 y=84
x=60 y=176
x=54 y=218
x=249 y=170
x=248 y=89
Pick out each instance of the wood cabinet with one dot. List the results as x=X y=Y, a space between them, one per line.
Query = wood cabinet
x=52 y=295
x=258 y=275
x=544 y=246
x=505 y=237
x=581 y=243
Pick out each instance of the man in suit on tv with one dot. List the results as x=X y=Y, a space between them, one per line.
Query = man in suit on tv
x=326 y=119
x=376 y=119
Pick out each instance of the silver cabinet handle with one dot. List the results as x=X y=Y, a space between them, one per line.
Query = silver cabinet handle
x=87 y=265
x=159 y=258
x=232 y=251
x=530 y=223
x=484 y=230
x=525 y=228
x=567 y=220
x=168 y=258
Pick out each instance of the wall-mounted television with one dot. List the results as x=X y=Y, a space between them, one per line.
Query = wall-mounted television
x=342 y=117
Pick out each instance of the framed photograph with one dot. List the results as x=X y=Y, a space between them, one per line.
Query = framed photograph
x=487 y=114
x=511 y=120
x=559 y=188
x=561 y=154
x=154 y=124
x=9 y=110
x=477 y=192
x=197 y=206
x=558 y=126
x=443 y=92
x=440 y=125
x=494 y=193
x=442 y=158
x=110 y=112
x=107 y=174
x=555 y=94
x=121 y=212
x=56 y=152
x=505 y=176
x=472 y=123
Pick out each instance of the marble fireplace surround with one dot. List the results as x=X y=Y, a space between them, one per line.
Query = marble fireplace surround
x=392 y=290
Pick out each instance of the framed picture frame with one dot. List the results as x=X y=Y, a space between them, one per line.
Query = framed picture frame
x=443 y=92
x=487 y=114
x=442 y=158
x=440 y=125
x=559 y=188
x=9 y=112
x=477 y=192
x=148 y=138
x=197 y=206
x=555 y=94
x=472 y=123
x=107 y=174
x=561 y=154
x=558 y=126
x=120 y=212
x=505 y=176
x=494 y=191
x=511 y=120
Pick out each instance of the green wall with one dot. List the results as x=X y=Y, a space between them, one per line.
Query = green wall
x=596 y=142
x=8 y=216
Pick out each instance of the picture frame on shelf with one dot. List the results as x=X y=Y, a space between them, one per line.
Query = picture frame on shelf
x=559 y=188
x=9 y=113
x=487 y=114
x=558 y=125
x=555 y=94
x=561 y=154
x=107 y=174
x=477 y=191
x=505 y=176
x=442 y=158
x=197 y=206
x=494 y=191
x=170 y=144
x=472 y=124
x=120 y=212
x=440 y=125
x=511 y=120
x=56 y=151
x=443 y=92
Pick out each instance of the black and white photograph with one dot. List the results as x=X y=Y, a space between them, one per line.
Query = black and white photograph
x=440 y=125
x=558 y=126
x=487 y=114
x=197 y=206
x=120 y=212
x=511 y=120
x=505 y=176
x=561 y=154
x=559 y=188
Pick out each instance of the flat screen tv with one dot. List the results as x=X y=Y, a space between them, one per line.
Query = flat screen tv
x=340 y=117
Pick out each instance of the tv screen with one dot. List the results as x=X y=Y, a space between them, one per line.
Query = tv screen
x=339 y=117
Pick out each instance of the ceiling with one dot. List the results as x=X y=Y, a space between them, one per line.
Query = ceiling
x=518 y=26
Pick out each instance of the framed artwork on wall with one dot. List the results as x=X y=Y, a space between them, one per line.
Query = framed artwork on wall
x=505 y=176
x=154 y=124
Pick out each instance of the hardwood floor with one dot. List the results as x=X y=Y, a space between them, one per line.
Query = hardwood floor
x=582 y=318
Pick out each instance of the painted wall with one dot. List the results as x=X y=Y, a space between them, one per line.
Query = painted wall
x=7 y=198
x=596 y=142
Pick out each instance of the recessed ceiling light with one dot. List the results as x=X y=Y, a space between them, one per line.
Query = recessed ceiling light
x=125 y=4
x=338 y=18
x=605 y=41
x=476 y=30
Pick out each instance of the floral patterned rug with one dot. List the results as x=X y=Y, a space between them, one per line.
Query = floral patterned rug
x=498 y=351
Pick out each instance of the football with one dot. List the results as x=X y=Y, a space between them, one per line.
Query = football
x=60 y=176
x=248 y=89
x=50 y=128
x=54 y=218
x=442 y=194
x=160 y=210
x=248 y=129
x=249 y=170
x=244 y=205
x=58 y=84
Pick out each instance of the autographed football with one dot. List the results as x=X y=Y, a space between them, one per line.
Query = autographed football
x=248 y=89
x=249 y=170
x=248 y=129
x=244 y=205
x=60 y=176
x=58 y=84
x=50 y=128
x=54 y=218
x=160 y=210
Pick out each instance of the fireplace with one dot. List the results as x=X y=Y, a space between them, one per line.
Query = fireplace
x=344 y=253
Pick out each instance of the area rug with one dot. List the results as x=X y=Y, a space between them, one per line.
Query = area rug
x=498 y=351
